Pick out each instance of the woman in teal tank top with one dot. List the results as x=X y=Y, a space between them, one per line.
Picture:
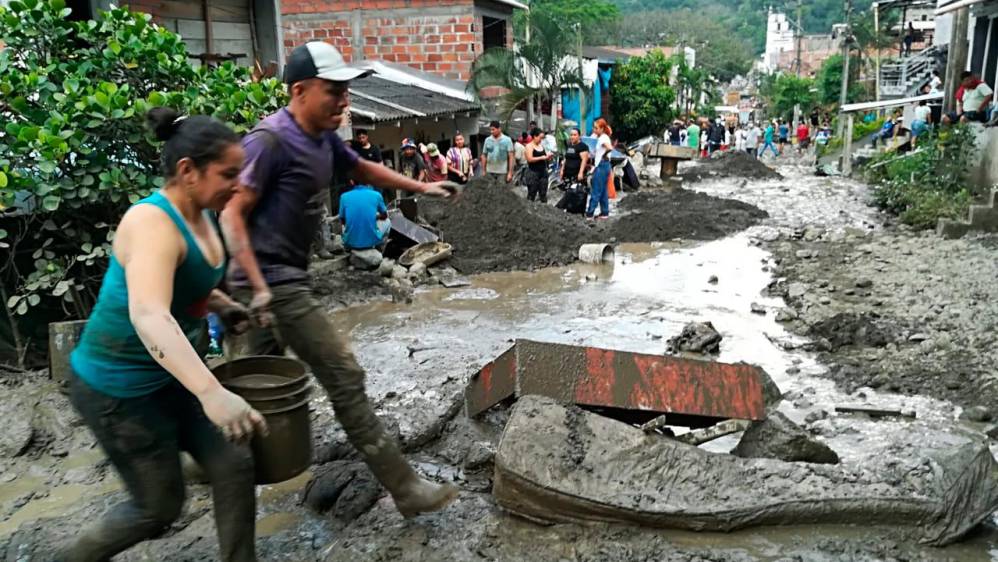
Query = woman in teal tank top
x=139 y=384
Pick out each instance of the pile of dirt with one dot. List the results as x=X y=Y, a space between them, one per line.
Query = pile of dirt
x=862 y=329
x=730 y=164
x=660 y=216
x=493 y=229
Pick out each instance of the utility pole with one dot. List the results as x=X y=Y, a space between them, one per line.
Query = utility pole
x=956 y=62
x=845 y=63
x=800 y=38
x=582 y=89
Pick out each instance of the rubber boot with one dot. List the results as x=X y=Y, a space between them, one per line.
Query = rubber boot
x=412 y=494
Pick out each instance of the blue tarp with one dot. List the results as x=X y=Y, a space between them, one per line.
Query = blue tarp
x=594 y=101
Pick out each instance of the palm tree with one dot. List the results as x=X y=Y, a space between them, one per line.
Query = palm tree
x=541 y=66
x=691 y=85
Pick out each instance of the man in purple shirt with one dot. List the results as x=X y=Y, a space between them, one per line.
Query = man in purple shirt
x=269 y=226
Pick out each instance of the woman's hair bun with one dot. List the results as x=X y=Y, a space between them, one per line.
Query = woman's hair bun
x=164 y=122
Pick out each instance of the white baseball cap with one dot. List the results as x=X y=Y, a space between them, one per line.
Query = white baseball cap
x=318 y=59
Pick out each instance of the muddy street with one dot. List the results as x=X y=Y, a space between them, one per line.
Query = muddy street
x=803 y=279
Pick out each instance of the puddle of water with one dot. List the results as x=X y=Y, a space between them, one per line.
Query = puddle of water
x=56 y=502
x=275 y=523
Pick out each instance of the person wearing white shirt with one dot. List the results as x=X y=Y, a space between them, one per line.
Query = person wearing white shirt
x=601 y=175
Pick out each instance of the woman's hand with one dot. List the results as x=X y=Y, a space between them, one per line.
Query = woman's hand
x=237 y=420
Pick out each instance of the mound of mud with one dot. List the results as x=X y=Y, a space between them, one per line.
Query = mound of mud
x=661 y=216
x=730 y=164
x=493 y=229
x=847 y=328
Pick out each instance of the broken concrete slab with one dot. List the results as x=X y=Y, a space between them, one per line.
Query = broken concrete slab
x=559 y=463
x=692 y=392
x=779 y=438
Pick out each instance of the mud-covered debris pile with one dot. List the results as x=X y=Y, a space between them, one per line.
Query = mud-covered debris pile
x=730 y=164
x=493 y=229
x=697 y=337
x=657 y=217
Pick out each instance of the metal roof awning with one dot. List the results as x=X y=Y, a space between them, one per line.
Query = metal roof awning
x=888 y=4
x=866 y=106
x=954 y=5
x=380 y=100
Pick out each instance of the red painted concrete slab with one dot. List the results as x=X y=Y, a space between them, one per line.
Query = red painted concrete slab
x=608 y=378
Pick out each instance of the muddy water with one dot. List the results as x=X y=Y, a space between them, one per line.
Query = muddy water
x=646 y=296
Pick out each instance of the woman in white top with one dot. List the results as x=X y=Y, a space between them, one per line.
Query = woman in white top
x=601 y=175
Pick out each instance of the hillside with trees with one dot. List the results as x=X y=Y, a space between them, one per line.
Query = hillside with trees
x=745 y=19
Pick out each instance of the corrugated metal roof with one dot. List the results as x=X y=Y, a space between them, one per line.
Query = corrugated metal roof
x=381 y=100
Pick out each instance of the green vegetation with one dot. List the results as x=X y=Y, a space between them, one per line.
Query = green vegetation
x=745 y=20
x=784 y=91
x=929 y=184
x=595 y=17
x=641 y=97
x=542 y=56
x=74 y=147
x=719 y=48
x=829 y=81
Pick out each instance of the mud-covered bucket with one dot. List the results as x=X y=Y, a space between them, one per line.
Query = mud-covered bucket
x=278 y=388
x=262 y=376
x=596 y=253
x=286 y=451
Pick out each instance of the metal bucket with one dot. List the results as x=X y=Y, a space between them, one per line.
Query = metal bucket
x=286 y=451
x=596 y=253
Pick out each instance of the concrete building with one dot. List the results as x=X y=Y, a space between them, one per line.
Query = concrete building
x=438 y=36
x=815 y=49
x=779 y=39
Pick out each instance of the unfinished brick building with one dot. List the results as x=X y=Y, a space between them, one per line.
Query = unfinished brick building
x=442 y=37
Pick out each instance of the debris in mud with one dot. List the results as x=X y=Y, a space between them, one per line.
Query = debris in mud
x=730 y=164
x=779 y=438
x=18 y=431
x=936 y=491
x=697 y=337
x=344 y=489
x=851 y=328
x=977 y=414
x=876 y=412
x=491 y=228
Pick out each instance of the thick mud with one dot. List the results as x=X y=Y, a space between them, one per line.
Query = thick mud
x=419 y=356
x=731 y=164
x=494 y=229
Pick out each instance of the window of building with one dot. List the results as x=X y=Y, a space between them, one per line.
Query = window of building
x=493 y=32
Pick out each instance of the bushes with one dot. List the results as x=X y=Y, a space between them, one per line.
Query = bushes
x=74 y=152
x=929 y=184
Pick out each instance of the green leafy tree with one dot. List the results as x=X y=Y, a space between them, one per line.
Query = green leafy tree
x=829 y=81
x=595 y=17
x=719 y=50
x=533 y=68
x=642 y=99
x=787 y=91
x=74 y=151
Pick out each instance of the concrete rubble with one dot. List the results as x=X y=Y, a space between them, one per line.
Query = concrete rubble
x=779 y=438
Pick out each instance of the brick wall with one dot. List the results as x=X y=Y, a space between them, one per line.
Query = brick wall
x=438 y=36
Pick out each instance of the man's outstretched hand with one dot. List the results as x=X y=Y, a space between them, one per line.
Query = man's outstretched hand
x=443 y=189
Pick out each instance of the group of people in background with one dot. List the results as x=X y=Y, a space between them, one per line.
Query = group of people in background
x=710 y=136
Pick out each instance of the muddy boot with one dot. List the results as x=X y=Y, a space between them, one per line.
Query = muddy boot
x=412 y=494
